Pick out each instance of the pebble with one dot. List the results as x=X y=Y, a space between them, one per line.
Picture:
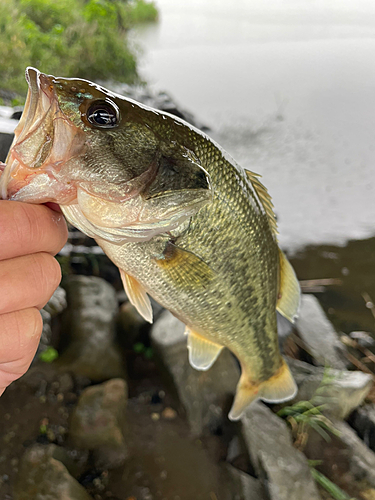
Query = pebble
x=169 y=413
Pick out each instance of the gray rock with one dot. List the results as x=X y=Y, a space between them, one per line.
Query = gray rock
x=54 y=306
x=89 y=322
x=282 y=469
x=7 y=126
x=205 y=395
x=5 y=142
x=318 y=334
x=41 y=476
x=57 y=303
x=284 y=329
x=341 y=391
x=245 y=486
x=363 y=421
x=360 y=458
x=98 y=423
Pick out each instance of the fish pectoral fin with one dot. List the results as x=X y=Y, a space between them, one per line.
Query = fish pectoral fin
x=137 y=296
x=185 y=268
x=202 y=352
x=289 y=290
x=279 y=388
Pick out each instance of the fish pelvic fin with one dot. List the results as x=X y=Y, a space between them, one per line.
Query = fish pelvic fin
x=202 y=352
x=289 y=290
x=137 y=296
x=279 y=388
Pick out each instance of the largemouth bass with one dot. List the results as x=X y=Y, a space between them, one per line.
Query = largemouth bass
x=181 y=220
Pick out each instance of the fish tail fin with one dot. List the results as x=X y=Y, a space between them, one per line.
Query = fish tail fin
x=277 y=389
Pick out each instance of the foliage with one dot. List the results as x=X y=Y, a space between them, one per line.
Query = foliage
x=49 y=355
x=336 y=492
x=308 y=414
x=74 y=38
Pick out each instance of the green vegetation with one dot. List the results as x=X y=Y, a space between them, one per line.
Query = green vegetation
x=49 y=355
x=304 y=415
x=335 y=492
x=74 y=38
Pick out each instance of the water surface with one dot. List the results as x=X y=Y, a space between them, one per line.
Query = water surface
x=288 y=89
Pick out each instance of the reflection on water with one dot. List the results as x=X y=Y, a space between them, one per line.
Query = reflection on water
x=347 y=305
x=288 y=89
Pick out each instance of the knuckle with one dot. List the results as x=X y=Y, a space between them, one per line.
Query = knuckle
x=19 y=340
x=46 y=272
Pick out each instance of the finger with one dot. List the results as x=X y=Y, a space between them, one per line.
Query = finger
x=27 y=229
x=19 y=339
x=28 y=281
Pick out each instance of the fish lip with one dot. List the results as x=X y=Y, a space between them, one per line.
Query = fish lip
x=23 y=164
x=25 y=125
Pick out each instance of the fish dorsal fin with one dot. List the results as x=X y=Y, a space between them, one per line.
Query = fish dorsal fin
x=264 y=198
x=289 y=290
x=202 y=352
x=279 y=388
x=137 y=296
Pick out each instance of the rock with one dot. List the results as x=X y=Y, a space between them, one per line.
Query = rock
x=361 y=459
x=54 y=306
x=363 y=421
x=7 y=126
x=57 y=303
x=283 y=469
x=318 y=334
x=131 y=324
x=284 y=329
x=364 y=339
x=43 y=477
x=341 y=391
x=248 y=487
x=89 y=322
x=205 y=395
x=98 y=423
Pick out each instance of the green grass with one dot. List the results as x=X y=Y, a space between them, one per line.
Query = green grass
x=74 y=38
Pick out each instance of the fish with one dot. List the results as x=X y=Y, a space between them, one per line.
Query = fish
x=183 y=222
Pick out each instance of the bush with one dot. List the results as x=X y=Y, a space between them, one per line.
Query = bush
x=74 y=38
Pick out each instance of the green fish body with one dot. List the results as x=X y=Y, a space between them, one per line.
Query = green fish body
x=181 y=220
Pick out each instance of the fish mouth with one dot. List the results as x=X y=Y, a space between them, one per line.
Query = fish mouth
x=44 y=139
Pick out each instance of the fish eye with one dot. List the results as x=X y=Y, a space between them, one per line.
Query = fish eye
x=103 y=114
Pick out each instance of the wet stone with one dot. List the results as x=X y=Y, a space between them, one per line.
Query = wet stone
x=57 y=303
x=318 y=334
x=244 y=486
x=282 y=469
x=363 y=421
x=205 y=395
x=89 y=322
x=341 y=391
x=41 y=476
x=98 y=423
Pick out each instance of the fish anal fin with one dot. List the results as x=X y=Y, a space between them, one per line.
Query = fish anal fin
x=279 y=388
x=202 y=352
x=137 y=296
x=289 y=290
x=264 y=198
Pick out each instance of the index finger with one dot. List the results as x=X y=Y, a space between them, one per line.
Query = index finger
x=27 y=229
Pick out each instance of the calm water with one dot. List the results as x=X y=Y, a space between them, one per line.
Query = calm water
x=288 y=89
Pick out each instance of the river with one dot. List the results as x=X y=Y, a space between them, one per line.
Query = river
x=288 y=89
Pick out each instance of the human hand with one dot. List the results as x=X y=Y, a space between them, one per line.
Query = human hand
x=30 y=235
